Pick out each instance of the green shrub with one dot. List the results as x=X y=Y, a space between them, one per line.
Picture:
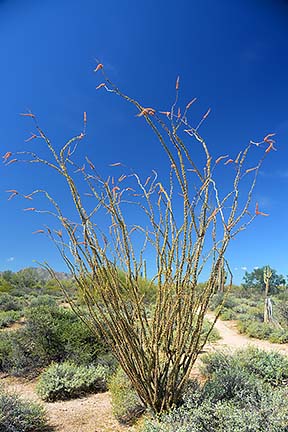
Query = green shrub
x=225 y=416
x=52 y=334
x=279 y=336
x=80 y=345
x=255 y=329
x=9 y=303
x=9 y=317
x=18 y=415
x=216 y=300
x=43 y=300
x=216 y=361
x=5 y=352
x=270 y=367
x=227 y=314
x=235 y=398
x=126 y=404
x=242 y=308
x=233 y=384
x=214 y=336
x=67 y=380
x=18 y=356
x=229 y=303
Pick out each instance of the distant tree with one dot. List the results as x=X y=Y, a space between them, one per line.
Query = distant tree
x=28 y=278
x=255 y=280
x=5 y=286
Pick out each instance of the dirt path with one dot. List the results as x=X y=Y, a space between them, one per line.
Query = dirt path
x=234 y=340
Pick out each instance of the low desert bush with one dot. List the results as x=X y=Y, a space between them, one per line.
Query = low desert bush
x=214 y=336
x=271 y=367
x=51 y=334
x=228 y=314
x=67 y=380
x=237 y=397
x=8 y=318
x=225 y=416
x=43 y=300
x=261 y=330
x=18 y=415
x=279 y=335
x=5 y=352
x=9 y=303
x=126 y=404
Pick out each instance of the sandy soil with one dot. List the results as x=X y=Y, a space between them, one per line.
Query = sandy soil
x=94 y=413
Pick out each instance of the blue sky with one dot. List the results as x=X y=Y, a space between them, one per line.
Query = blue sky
x=232 y=56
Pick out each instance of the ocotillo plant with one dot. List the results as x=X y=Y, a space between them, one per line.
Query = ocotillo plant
x=156 y=349
x=267 y=274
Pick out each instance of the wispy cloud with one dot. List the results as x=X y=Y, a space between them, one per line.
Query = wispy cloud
x=280 y=174
x=244 y=268
x=10 y=259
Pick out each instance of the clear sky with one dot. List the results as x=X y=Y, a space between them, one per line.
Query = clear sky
x=231 y=55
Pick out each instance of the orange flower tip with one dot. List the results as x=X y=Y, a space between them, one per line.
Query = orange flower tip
x=27 y=115
x=250 y=169
x=228 y=161
x=11 y=161
x=40 y=231
x=190 y=103
x=29 y=209
x=115 y=164
x=121 y=178
x=220 y=158
x=177 y=83
x=100 y=85
x=207 y=113
x=84 y=116
x=167 y=113
x=268 y=136
x=259 y=213
x=28 y=197
x=12 y=196
x=130 y=189
x=7 y=155
x=146 y=111
x=99 y=66
x=271 y=147
x=12 y=191
x=173 y=166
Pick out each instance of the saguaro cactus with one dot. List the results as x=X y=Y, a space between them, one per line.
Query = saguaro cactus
x=222 y=278
x=268 y=312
